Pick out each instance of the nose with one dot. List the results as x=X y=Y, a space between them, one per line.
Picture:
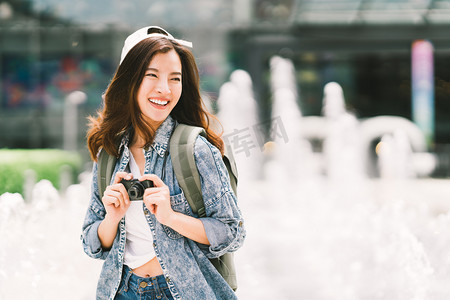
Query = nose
x=162 y=86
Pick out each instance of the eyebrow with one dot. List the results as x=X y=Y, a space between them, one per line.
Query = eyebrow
x=156 y=70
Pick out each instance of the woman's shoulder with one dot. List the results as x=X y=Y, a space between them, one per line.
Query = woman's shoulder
x=204 y=148
x=209 y=158
x=206 y=154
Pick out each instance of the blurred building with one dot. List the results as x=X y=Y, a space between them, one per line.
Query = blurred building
x=49 y=48
x=364 y=45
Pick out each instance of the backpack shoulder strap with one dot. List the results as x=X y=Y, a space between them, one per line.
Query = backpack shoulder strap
x=183 y=161
x=105 y=170
x=185 y=169
x=230 y=163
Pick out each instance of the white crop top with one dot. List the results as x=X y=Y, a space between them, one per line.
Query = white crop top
x=139 y=239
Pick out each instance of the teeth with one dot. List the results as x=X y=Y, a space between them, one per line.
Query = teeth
x=159 y=102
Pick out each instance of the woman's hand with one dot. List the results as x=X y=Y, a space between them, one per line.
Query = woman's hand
x=115 y=199
x=157 y=199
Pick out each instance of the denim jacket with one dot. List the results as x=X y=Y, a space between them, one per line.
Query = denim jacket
x=185 y=264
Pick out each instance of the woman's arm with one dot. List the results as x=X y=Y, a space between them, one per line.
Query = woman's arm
x=107 y=231
x=224 y=225
x=116 y=202
x=222 y=229
x=94 y=216
x=99 y=226
x=157 y=200
x=189 y=227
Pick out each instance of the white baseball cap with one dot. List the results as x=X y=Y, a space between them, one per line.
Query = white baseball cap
x=147 y=32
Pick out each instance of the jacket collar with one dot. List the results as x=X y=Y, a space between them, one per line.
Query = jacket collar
x=162 y=137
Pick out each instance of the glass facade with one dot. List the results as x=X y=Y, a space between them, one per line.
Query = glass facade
x=50 y=48
x=369 y=57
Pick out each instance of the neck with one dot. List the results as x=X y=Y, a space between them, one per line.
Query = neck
x=138 y=140
x=154 y=124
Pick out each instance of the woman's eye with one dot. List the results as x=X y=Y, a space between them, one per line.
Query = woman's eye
x=151 y=75
x=176 y=79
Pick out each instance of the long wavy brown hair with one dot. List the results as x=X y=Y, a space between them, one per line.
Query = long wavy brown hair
x=121 y=110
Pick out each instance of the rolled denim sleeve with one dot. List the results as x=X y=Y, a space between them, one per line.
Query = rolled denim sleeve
x=94 y=216
x=224 y=224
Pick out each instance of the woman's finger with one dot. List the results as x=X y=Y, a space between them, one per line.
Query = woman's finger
x=155 y=190
x=119 y=188
x=124 y=193
x=113 y=193
x=118 y=192
x=111 y=200
x=152 y=208
x=157 y=182
x=122 y=175
x=121 y=200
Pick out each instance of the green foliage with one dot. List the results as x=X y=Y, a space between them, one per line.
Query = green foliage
x=45 y=162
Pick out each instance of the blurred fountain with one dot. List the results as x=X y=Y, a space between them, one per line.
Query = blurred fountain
x=244 y=84
x=45 y=196
x=292 y=152
x=40 y=243
x=365 y=240
x=395 y=156
x=77 y=195
x=372 y=129
x=227 y=103
x=341 y=146
x=238 y=113
x=333 y=101
x=282 y=74
x=12 y=206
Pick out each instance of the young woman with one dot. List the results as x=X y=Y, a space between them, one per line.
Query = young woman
x=157 y=248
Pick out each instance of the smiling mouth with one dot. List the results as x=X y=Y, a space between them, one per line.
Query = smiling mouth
x=158 y=102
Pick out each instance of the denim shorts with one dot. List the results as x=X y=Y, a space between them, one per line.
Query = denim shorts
x=136 y=287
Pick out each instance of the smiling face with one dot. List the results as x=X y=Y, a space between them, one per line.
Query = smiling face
x=161 y=87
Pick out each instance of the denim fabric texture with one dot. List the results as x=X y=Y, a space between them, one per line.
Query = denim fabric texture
x=146 y=288
x=187 y=269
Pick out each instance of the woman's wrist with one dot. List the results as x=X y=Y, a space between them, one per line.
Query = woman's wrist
x=111 y=220
x=173 y=220
x=188 y=226
x=107 y=231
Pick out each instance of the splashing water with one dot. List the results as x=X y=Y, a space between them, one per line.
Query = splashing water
x=41 y=255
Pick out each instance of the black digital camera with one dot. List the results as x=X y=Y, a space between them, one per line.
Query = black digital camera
x=136 y=188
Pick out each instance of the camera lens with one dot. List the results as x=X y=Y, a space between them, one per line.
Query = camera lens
x=136 y=191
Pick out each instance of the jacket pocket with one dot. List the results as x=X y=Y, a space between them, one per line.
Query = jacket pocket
x=179 y=204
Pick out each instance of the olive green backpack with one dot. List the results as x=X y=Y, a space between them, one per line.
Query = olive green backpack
x=181 y=149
